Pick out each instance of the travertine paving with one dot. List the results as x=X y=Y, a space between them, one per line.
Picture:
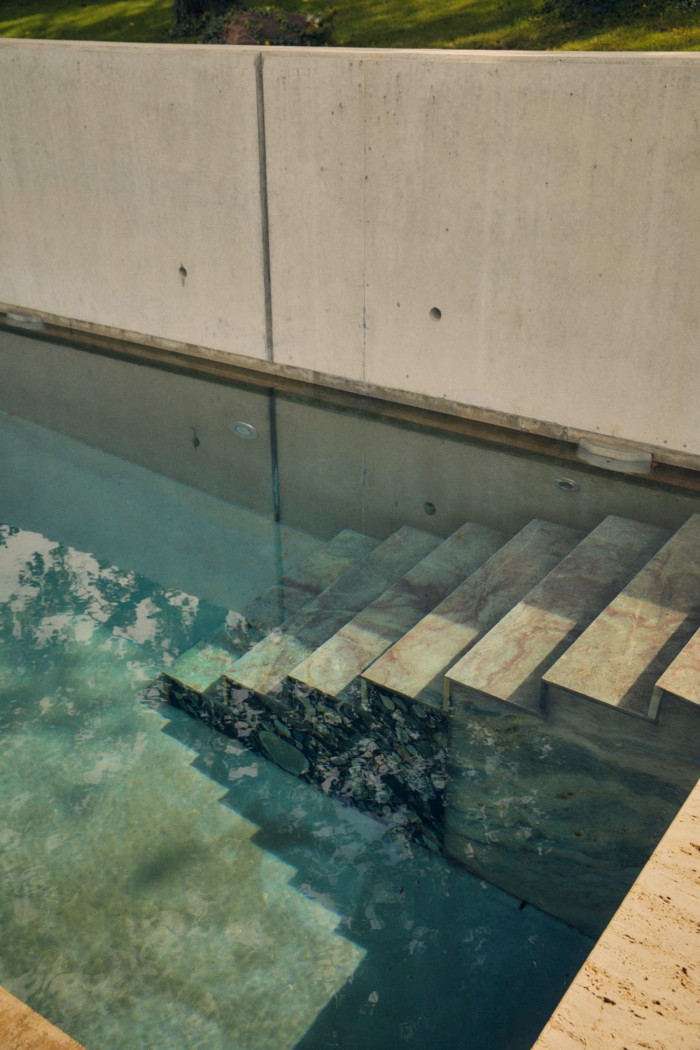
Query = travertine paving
x=640 y=986
x=23 y=1029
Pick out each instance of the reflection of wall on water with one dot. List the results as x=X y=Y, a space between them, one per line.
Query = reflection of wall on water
x=336 y=468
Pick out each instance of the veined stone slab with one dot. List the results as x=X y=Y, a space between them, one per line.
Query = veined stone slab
x=618 y=660
x=265 y=667
x=508 y=663
x=682 y=678
x=335 y=666
x=533 y=808
x=313 y=575
x=415 y=667
x=200 y=666
x=204 y=663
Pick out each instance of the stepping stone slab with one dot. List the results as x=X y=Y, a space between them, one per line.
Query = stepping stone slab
x=201 y=666
x=336 y=665
x=415 y=667
x=508 y=663
x=618 y=660
x=264 y=669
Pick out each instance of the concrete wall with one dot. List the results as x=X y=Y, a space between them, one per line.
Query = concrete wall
x=547 y=205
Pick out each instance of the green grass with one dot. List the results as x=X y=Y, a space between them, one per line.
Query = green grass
x=132 y=20
x=517 y=24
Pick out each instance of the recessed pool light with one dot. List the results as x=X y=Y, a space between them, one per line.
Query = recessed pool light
x=246 y=431
x=566 y=485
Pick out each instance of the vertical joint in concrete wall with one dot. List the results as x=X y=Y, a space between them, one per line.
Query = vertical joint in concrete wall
x=264 y=214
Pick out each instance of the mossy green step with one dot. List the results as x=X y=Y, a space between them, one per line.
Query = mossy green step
x=201 y=666
x=509 y=662
x=415 y=666
x=334 y=667
x=264 y=669
x=619 y=658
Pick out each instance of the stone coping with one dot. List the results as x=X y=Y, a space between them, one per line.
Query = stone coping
x=21 y=1028
x=640 y=986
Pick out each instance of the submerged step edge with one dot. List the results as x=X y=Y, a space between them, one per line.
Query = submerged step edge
x=334 y=668
x=507 y=664
x=628 y=647
x=414 y=668
x=265 y=667
x=200 y=667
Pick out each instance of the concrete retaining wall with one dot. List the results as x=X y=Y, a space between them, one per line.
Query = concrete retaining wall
x=515 y=232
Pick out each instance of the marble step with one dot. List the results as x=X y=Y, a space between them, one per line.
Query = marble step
x=204 y=663
x=619 y=658
x=334 y=668
x=265 y=667
x=415 y=666
x=313 y=575
x=507 y=664
x=682 y=678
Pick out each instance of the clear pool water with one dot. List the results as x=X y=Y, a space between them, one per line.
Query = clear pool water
x=160 y=886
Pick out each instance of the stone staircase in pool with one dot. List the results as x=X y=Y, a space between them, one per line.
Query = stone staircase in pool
x=527 y=705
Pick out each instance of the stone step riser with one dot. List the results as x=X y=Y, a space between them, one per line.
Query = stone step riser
x=264 y=669
x=334 y=669
x=509 y=662
x=559 y=809
x=622 y=655
x=200 y=667
x=415 y=667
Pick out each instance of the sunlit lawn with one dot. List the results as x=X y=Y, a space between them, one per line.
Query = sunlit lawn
x=135 y=20
x=369 y=23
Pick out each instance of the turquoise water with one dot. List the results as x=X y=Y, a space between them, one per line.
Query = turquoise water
x=160 y=886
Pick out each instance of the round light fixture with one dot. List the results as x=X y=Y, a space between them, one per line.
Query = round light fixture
x=246 y=431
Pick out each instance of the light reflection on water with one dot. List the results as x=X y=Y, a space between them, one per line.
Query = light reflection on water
x=171 y=889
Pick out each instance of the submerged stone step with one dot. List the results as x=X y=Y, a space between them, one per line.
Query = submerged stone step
x=201 y=666
x=333 y=669
x=204 y=663
x=264 y=669
x=508 y=663
x=313 y=575
x=619 y=658
x=414 y=668
x=682 y=678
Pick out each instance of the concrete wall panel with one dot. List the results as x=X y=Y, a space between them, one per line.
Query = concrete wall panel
x=314 y=121
x=120 y=166
x=550 y=209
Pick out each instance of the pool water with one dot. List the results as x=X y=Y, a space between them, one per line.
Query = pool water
x=161 y=886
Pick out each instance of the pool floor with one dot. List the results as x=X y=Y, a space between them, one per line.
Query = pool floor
x=162 y=886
